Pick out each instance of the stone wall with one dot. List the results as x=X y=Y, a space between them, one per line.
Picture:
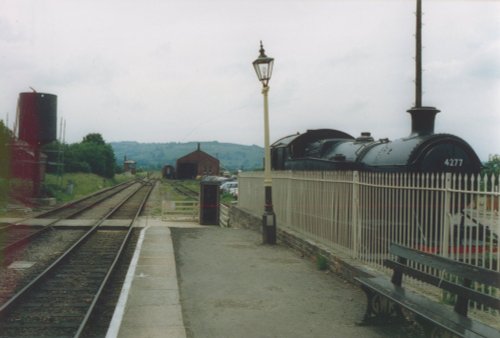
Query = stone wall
x=241 y=218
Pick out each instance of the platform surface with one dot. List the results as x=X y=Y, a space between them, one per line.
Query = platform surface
x=149 y=305
x=192 y=281
x=231 y=285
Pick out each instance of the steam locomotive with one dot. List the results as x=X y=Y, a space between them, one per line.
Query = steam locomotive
x=421 y=151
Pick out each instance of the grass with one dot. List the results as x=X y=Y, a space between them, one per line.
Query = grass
x=54 y=186
x=76 y=185
x=169 y=193
x=227 y=198
x=192 y=184
x=321 y=262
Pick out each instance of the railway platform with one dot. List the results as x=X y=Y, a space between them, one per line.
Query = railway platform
x=149 y=304
x=187 y=280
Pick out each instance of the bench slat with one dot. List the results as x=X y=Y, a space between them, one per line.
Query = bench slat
x=467 y=271
x=437 y=313
x=454 y=288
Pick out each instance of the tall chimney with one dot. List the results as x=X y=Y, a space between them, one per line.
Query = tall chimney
x=422 y=120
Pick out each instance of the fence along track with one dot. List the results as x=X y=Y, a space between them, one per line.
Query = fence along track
x=360 y=213
x=181 y=210
x=60 y=300
x=224 y=215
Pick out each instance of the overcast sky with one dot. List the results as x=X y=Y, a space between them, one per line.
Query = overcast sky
x=178 y=71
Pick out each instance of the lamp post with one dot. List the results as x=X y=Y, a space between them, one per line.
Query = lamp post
x=264 y=67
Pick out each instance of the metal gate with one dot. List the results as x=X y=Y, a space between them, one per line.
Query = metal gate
x=180 y=211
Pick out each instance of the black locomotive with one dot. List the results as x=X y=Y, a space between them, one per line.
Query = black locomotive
x=421 y=151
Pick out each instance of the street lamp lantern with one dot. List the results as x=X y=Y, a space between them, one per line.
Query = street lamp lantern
x=264 y=68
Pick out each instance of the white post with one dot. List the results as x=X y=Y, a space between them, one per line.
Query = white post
x=446 y=221
x=356 y=226
x=269 y=217
x=267 y=148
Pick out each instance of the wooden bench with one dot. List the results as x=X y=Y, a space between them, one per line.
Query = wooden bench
x=387 y=299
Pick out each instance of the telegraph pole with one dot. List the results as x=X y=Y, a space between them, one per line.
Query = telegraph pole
x=418 y=56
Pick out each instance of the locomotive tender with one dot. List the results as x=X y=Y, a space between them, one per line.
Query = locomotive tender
x=421 y=151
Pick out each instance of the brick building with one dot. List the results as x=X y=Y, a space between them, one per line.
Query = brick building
x=197 y=163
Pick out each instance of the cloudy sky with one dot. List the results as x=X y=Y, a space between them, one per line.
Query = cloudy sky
x=163 y=71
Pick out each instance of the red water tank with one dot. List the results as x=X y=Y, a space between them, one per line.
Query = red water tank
x=37 y=118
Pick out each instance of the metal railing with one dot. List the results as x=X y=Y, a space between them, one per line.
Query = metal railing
x=361 y=213
x=180 y=210
x=224 y=220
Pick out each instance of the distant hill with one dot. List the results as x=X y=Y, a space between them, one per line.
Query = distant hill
x=156 y=155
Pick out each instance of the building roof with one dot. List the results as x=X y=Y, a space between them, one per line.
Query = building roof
x=200 y=152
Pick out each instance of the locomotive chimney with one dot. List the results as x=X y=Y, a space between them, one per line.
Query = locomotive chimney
x=422 y=120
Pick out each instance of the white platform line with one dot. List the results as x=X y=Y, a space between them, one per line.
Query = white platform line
x=116 y=321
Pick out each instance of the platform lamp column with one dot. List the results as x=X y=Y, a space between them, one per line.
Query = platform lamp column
x=264 y=67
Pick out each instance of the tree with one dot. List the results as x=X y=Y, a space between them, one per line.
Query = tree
x=6 y=137
x=95 y=138
x=91 y=155
x=492 y=167
x=5 y=141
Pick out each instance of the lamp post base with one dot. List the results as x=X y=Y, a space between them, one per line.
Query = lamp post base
x=269 y=227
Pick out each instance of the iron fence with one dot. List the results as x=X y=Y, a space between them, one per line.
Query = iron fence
x=361 y=213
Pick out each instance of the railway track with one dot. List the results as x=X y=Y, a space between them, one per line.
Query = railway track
x=72 y=209
x=16 y=235
x=184 y=190
x=60 y=300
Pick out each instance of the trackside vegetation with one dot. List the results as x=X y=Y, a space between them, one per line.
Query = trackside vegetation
x=91 y=155
x=76 y=185
x=73 y=170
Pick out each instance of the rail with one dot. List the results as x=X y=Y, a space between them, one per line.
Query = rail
x=16 y=235
x=87 y=273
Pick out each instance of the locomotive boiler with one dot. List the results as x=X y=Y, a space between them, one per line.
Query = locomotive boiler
x=421 y=151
